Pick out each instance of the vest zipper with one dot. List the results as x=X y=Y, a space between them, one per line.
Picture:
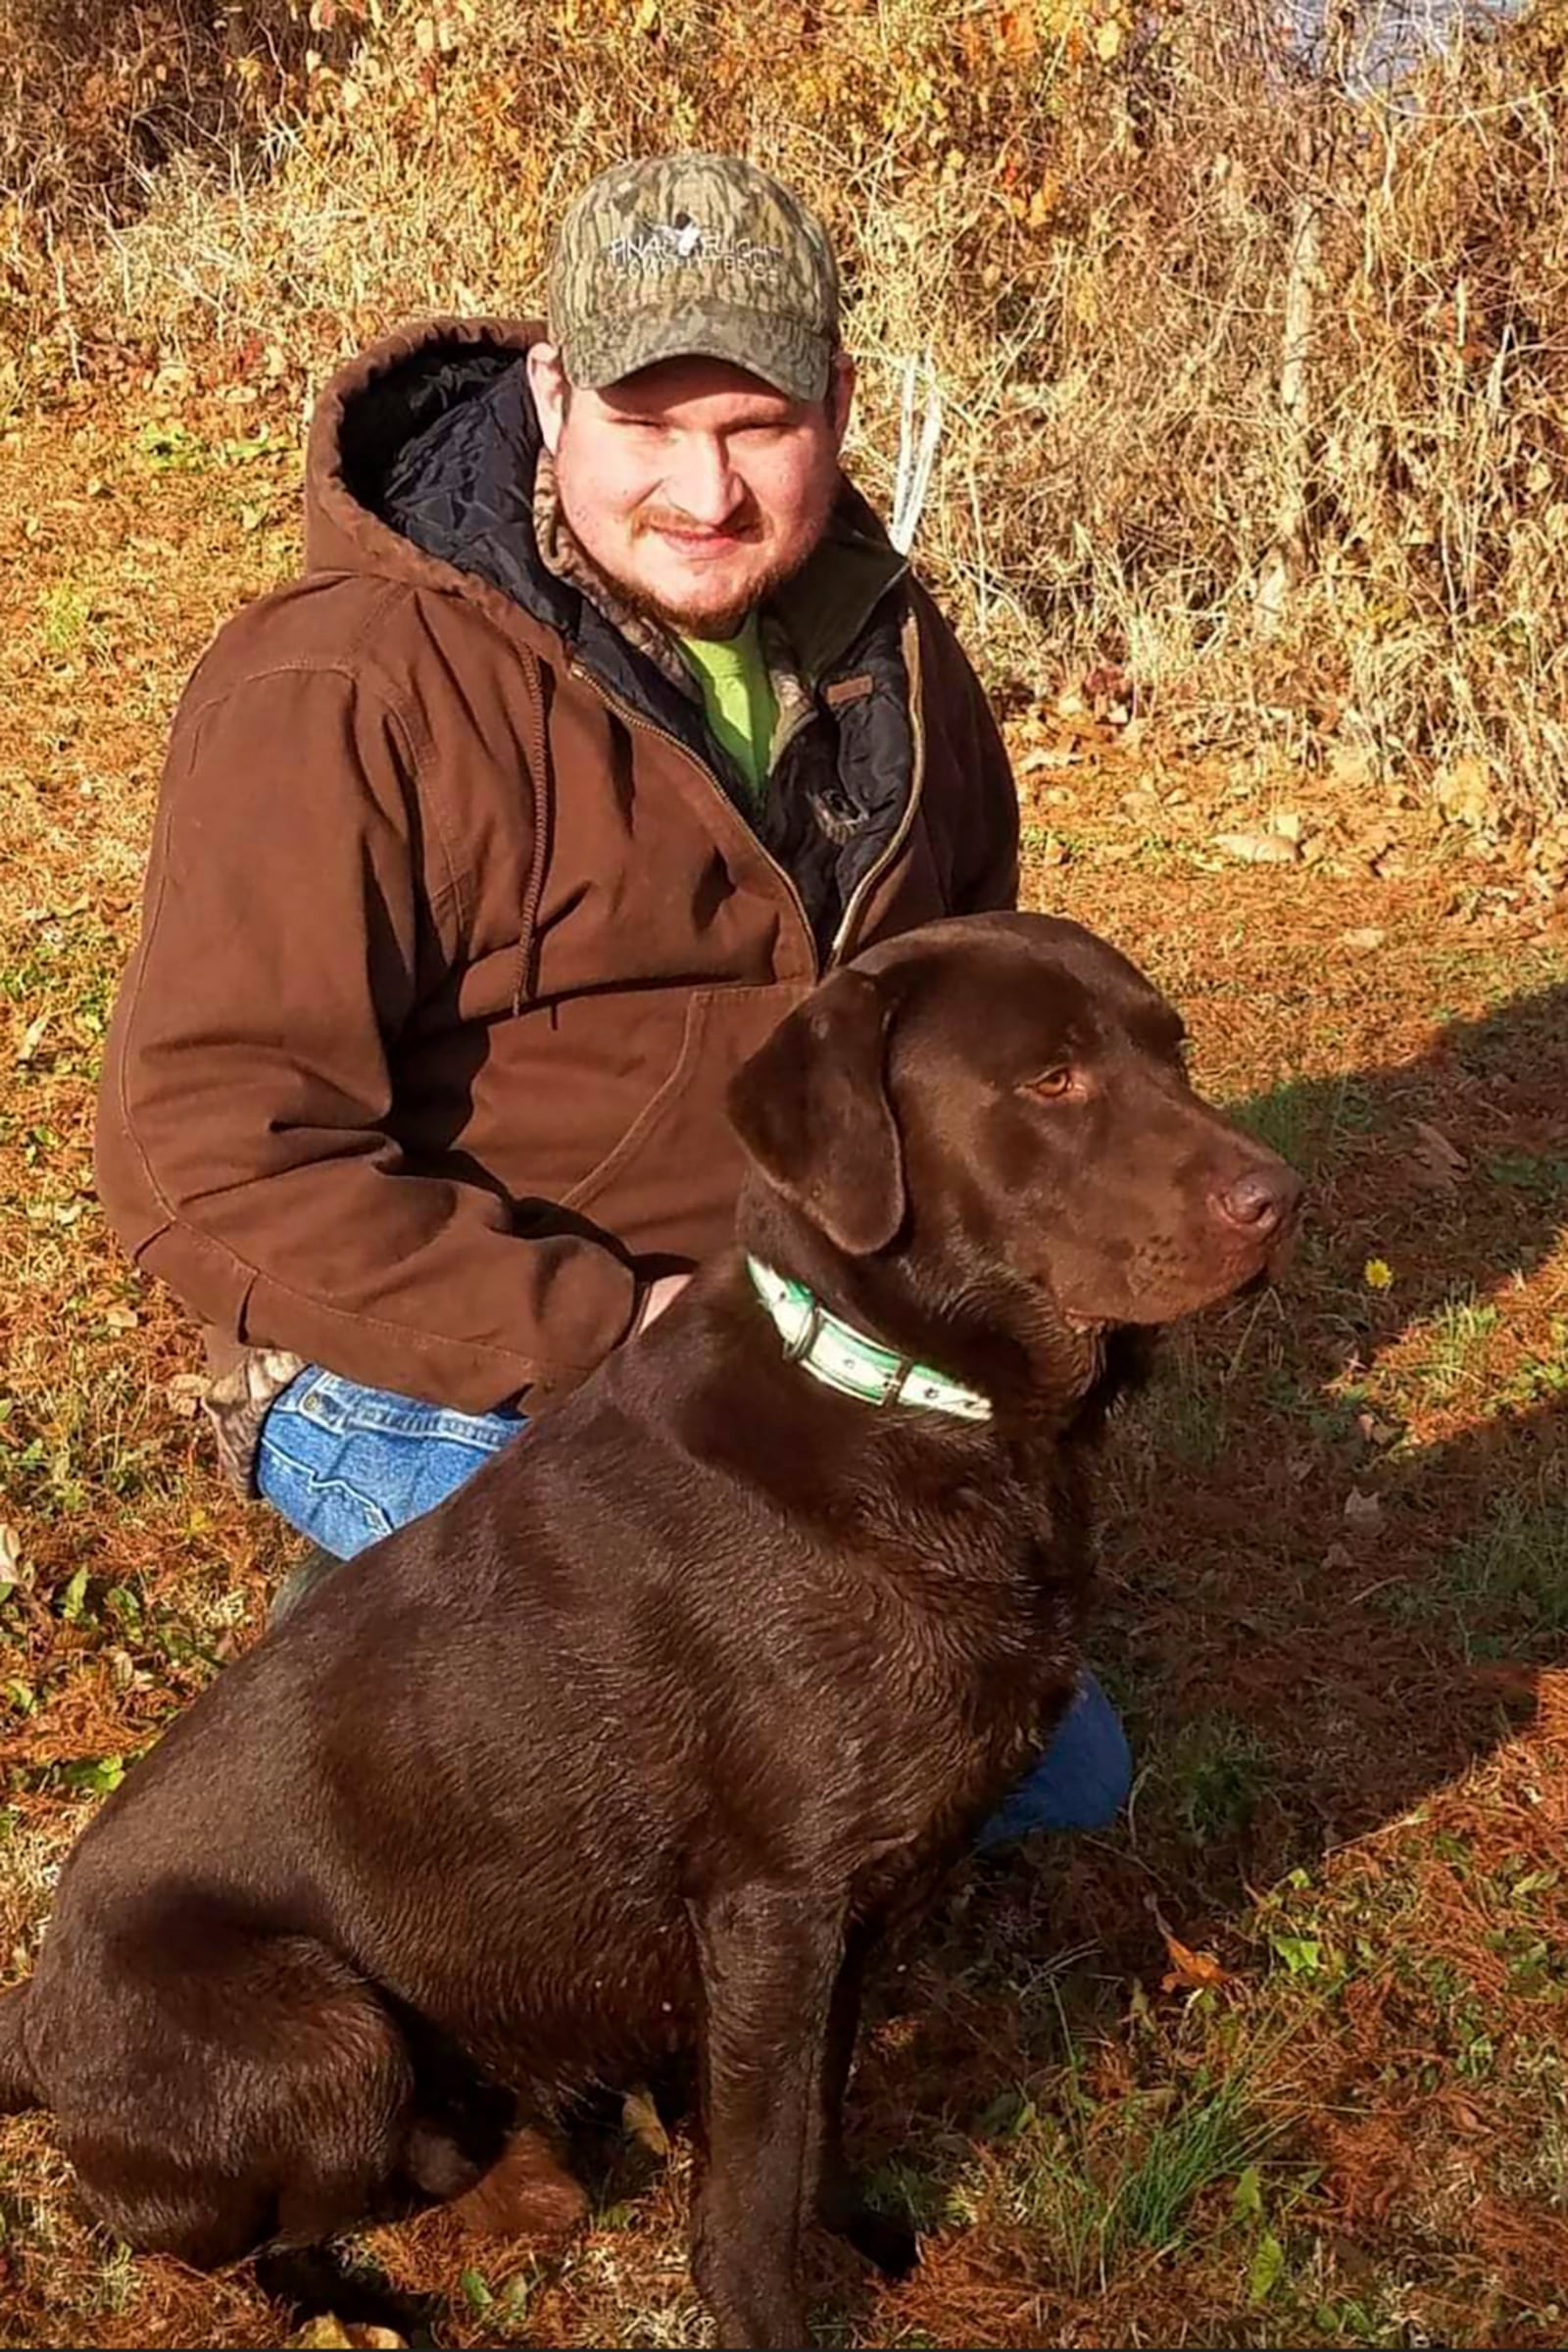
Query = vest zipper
x=634 y=718
x=858 y=896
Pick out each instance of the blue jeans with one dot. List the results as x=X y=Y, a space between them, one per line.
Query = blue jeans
x=346 y=1465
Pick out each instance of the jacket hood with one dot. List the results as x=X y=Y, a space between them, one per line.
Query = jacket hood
x=365 y=418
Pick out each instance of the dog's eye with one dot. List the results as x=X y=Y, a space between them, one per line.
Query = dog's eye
x=1052 y=1084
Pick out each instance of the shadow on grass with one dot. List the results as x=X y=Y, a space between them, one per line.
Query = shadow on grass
x=1339 y=1505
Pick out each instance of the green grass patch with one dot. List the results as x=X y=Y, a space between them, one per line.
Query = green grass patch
x=63 y=618
x=1106 y=2183
x=1450 y=1352
x=1185 y=1409
x=905 y=2192
x=66 y=967
x=1307 y=1121
x=1216 y=1771
x=1503 y=1589
x=1540 y=1178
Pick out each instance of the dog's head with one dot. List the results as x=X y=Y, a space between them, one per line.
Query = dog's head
x=994 y=1111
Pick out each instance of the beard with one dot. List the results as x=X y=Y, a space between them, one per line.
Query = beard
x=708 y=620
x=718 y=616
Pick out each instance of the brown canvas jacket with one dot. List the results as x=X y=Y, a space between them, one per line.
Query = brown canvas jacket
x=454 y=928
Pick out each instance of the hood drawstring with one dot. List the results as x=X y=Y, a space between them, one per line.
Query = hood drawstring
x=525 y=975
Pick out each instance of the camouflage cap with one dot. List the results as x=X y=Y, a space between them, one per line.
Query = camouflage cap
x=694 y=254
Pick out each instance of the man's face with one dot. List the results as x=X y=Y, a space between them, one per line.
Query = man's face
x=695 y=487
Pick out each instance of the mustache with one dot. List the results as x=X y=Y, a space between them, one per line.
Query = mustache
x=743 y=524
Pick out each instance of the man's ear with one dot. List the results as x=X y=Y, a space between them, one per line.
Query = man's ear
x=812 y=1110
x=841 y=396
x=547 y=381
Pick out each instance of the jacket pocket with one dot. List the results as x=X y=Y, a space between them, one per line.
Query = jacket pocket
x=680 y=1146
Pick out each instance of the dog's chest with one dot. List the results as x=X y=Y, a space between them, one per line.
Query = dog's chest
x=946 y=1706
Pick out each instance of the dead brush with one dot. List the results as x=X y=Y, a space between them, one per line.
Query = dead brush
x=1251 y=364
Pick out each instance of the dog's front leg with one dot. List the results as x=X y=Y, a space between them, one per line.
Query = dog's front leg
x=891 y=2244
x=769 y=1958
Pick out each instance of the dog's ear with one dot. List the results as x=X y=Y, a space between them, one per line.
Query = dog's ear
x=812 y=1110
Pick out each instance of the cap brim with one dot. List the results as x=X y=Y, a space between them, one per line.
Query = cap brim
x=782 y=353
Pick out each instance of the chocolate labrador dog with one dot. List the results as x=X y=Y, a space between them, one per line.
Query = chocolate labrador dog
x=636 y=1745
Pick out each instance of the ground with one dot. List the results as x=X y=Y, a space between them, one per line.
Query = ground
x=1280 y=2059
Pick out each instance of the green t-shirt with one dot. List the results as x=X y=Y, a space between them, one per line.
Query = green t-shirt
x=738 y=696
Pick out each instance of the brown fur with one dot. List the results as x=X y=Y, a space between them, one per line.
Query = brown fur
x=638 y=1744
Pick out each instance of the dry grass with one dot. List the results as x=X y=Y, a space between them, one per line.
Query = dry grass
x=1085 y=219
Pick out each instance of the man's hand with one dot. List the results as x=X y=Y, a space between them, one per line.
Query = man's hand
x=656 y=1297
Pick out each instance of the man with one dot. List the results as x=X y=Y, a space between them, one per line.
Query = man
x=603 y=720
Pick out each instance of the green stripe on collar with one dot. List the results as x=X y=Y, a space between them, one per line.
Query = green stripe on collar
x=843 y=1358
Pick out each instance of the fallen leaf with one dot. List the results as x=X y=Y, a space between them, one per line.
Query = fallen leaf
x=1335 y=1556
x=1464 y=793
x=1362 y=1510
x=1435 y=1163
x=1107 y=41
x=1350 y=764
x=358 y=2336
x=9 y=1557
x=184 y=1393
x=1364 y=943
x=641 y=2121
x=1048 y=754
x=33 y=1038
x=1190 y=1969
x=1373 y=846
x=1256 y=848
x=1287 y=823
x=324 y=2335
x=1141 y=803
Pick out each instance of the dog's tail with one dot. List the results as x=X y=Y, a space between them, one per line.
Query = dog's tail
x=18 y=2090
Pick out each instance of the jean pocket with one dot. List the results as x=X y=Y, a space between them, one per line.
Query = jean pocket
x=347 y=1409
x=315 y=1498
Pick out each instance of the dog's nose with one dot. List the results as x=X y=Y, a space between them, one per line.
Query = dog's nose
x=1260 y=1200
